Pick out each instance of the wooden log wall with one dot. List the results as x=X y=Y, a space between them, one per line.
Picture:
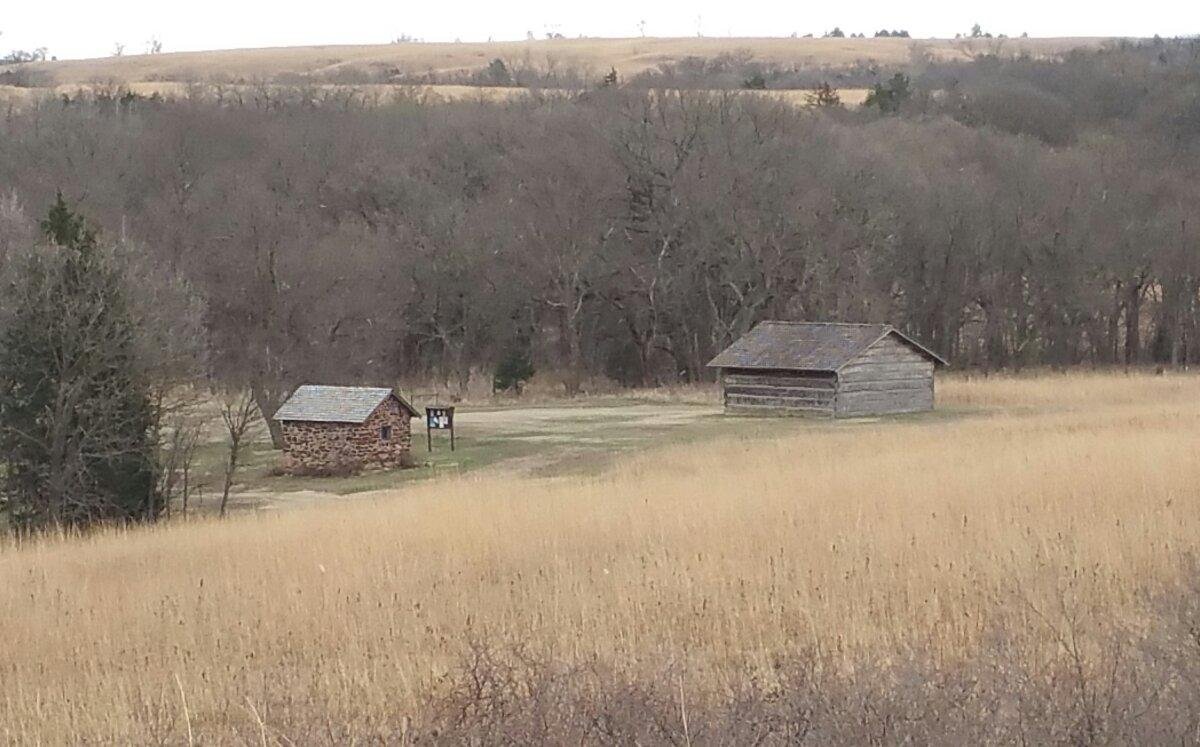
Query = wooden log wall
x=779 y=391
x=890 y=377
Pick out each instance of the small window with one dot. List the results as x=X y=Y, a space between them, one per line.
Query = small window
x=385 y=433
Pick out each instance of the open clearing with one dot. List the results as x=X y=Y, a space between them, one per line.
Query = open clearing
x=537 y=441
x=1030 y=506
x=532 y=441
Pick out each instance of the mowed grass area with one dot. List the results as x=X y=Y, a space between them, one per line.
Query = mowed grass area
x=1029 y=505
x=538 y=441
x=539 y=437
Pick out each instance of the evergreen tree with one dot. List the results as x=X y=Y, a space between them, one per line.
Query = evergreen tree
x=890 y=96
x=824 y=95
x=497 y=73
x=75 y=406
x=755 y=82
x=66 y=229
x=513 y=371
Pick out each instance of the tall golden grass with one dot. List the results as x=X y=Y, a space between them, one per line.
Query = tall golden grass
x=1024 y=500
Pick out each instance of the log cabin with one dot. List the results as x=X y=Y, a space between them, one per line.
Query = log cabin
x=832 y=369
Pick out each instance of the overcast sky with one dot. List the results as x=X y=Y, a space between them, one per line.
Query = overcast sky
x=92 y=28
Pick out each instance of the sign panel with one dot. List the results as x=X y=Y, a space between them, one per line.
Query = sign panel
x=439 y=419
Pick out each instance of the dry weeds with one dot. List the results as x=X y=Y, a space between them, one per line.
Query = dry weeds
x=709 y=574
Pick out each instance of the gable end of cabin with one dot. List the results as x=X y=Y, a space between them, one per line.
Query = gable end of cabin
x=890 y=376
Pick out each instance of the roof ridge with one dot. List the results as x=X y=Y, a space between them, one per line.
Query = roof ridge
x=812 y=346
x=341 y=386
x=826 y=324
x=337 y=403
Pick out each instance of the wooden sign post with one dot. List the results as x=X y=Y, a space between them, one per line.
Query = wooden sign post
x=439 y=419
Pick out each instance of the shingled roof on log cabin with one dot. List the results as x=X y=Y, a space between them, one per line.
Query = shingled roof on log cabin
x=807 y=346
x=829 y=368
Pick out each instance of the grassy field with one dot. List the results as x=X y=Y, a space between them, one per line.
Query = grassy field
x=248 y=72
x=627 y=56
x=532 y=437
x=544 y=440
x=1029 y=510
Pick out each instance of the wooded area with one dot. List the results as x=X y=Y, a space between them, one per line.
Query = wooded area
x=1007 y=212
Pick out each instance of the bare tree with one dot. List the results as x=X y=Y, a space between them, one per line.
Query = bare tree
x=1014 y=212
x=178 y=451
x=238 y=414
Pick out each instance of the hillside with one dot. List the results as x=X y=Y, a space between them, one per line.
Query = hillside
x=628 y=56
x=666 y=225
x=599 y=553
x=809 y=583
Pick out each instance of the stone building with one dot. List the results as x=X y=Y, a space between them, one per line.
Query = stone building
x=329 y=429
x=838 y=370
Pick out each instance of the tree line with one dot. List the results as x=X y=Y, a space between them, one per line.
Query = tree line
x=1007 y=212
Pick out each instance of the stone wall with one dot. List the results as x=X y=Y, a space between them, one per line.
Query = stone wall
x=313 y=447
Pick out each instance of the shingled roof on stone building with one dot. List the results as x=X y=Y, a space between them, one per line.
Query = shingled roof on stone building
x=336 y=404
x=808 y=346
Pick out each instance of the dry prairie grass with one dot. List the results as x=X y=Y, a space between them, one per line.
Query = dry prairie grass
x=1061 y=499
x=248 y=72
x=628 y=56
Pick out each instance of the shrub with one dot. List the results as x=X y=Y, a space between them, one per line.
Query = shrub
x=755 y=82
x=513 y=371
x=890 y=96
